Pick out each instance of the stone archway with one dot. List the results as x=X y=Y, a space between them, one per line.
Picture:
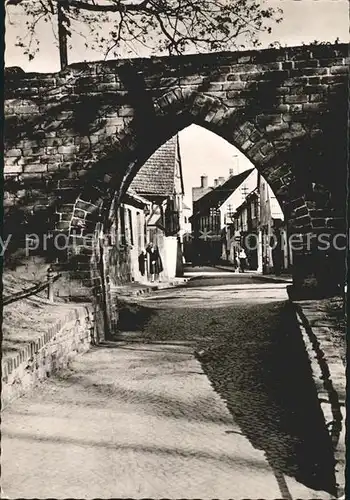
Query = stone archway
x=75 y=138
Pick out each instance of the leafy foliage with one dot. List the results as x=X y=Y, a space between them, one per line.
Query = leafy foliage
x=114 y=27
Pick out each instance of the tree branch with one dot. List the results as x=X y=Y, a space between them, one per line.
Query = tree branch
x=117 y=7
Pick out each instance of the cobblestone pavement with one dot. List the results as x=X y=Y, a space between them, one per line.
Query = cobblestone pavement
x=198 y=401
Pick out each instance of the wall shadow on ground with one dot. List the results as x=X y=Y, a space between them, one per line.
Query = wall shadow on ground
x=132 y=316
x=255 y=358
x=271 y=394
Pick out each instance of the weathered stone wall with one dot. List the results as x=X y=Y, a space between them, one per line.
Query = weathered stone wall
x=74 y=138
x=51 y=352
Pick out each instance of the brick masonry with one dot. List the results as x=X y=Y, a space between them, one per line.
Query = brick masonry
x=72 y=335
x=76 y=138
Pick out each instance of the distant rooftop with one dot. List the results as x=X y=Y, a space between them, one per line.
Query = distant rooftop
x=218 y=195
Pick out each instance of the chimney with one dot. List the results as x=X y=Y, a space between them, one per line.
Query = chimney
x=231 y=172
x=204 y=181
x=221 y=180
x=216 y=182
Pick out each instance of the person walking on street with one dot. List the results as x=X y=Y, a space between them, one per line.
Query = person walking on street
x=242 y=260
x=155 y=262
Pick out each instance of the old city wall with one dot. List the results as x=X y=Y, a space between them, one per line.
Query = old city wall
x=74 y=138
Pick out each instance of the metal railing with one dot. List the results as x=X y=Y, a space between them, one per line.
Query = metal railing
x=46 y=285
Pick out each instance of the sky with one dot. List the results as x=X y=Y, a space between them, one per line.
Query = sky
x=202 y=152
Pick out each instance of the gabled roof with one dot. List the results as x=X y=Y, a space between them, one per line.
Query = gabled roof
x=220 y=194
x=157 y=176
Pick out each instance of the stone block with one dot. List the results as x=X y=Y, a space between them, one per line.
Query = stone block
x=232 y=77
x=245 y=59
x=302 y=221
x=62 y=225
x=86 y=206
x=67 y=140
x=191 y=80
x=295 y=98
x=296 y=80
x=315 y=106
x=281 y=145
x=53 y=167
x=336 y=223
x=217 y=87
x=277 y=127
x=125 y=111
x=283 y=90
x=234 y=102
x=276 y=76
x=247 y=77
x=13 y=169
x=308 y=63
x=65 y=216
x=319 y=222
x=329 y=79
x=234 y=85
x=13 y=152
x=268 y=119
x=338 y=70
x=80 y=213
x=67 y=149
x=316 y=97
x=36 y=168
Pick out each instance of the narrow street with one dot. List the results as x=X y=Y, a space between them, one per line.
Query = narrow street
x=206 y=392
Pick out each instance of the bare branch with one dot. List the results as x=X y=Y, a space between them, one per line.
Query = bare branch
x=114 y=7
x=173 y=26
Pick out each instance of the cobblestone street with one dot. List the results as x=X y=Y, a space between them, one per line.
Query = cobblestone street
x=205 y=393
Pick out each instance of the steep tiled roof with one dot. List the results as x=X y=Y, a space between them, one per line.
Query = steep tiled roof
x=218 y=195
x=156 y=176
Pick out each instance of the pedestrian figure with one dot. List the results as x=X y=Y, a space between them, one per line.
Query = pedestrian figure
x=242 y=260
x=142 y=262
x=155 y=262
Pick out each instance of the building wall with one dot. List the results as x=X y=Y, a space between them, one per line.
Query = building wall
x=243 y=232
x=237 y=198
x=264 y=221
x=127 y=238
x=186 y=225
x=269 y=206
x=273 y=230
x=139 y=243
